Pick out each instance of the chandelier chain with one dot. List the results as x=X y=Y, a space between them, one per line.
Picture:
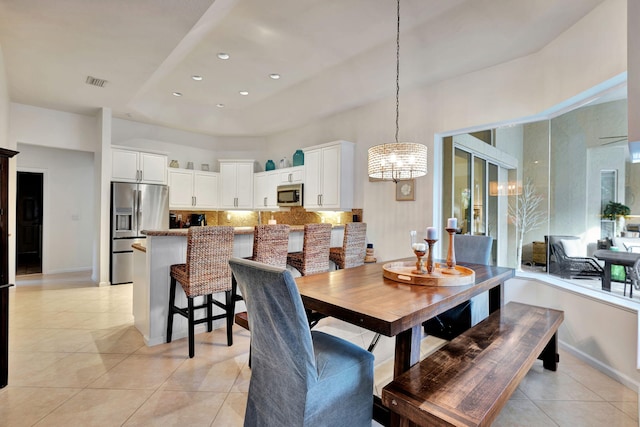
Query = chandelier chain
x=398 y=71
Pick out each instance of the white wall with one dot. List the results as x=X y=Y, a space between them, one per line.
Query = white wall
x=4 y=106
x=603 y=334
x=592 y=51
x=52 y=128
x=633 y=33
x=68 y=206
x=5 y=142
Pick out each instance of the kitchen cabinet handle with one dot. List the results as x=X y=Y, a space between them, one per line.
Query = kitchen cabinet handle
x=290 y=177
x=265 y=201
x=193 y=201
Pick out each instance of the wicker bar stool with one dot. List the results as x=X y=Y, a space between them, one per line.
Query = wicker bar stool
x=205 y=273
x=270 y=244
x=354 y=246
x=314 y=257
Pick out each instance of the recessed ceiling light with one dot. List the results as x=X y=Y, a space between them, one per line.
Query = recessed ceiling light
x=220 y=105
x=196 y=78
x=274 y=76
x=223 y=55
x=177 y=94
x=244 y=93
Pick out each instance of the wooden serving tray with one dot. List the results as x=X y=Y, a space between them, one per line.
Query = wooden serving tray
x=401 y=271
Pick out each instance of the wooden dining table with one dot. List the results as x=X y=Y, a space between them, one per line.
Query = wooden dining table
x=363 y=296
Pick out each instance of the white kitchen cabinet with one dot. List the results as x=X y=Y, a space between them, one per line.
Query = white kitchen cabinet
x=190 y=189
x=236 y=184
x=329 y=176
x=136 y=166
x=265 y=190
x=293 y=175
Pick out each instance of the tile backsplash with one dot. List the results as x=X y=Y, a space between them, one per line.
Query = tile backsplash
x=295 y=216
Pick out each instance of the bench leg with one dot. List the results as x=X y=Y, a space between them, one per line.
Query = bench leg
x=549 y=355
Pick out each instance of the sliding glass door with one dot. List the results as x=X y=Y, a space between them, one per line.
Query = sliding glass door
x=476 y=192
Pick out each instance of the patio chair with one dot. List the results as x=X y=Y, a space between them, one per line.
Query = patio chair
x=574 y=267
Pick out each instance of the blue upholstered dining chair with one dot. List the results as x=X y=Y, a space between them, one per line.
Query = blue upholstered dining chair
x=298 y=377
x=451 y=323
x=473 y=249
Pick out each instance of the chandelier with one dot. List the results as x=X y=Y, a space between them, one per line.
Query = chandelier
x=398 y=160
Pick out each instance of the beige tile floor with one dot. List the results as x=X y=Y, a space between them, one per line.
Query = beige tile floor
x=76 y=359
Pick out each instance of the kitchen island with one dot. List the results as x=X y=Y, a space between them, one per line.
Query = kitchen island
x=151 y=280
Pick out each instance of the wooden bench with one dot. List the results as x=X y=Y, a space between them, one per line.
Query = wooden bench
x=469 y=380
x=242 y=320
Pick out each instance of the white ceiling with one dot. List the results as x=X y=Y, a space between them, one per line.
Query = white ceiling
x=332 y=54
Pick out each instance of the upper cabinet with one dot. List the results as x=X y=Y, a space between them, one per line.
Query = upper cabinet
x=136 y=166
x=265 y=190
x=294 y=175
x=236 y=184
x=191 y=189
x=329 y=175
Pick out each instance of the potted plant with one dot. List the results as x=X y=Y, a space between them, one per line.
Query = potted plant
x=616 y=211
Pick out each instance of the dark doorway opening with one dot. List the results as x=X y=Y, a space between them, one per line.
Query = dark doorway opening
x=29 y=223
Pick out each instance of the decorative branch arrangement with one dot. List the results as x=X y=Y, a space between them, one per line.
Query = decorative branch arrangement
x=526 y=216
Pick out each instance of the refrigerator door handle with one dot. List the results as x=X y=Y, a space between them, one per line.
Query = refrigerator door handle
x=138 y=211
x=135 y=212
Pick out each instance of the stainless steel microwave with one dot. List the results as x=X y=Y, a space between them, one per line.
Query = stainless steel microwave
x=290 y=195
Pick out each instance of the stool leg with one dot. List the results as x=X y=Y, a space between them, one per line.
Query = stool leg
x=172 y=301
x=209 y=312
x=190 y=319
x=231 y=303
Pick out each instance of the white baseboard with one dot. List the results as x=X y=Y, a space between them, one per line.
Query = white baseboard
x=605 y=369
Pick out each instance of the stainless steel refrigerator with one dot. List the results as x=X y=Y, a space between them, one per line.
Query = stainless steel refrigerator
x=134 y=207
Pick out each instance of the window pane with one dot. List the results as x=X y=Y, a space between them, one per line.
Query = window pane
x=479 y=203
x=461 y=192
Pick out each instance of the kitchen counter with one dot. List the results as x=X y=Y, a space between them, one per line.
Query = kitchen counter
x=238 y=230
x=151 y=265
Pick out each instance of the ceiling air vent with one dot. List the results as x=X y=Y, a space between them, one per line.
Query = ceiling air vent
x=95 y=81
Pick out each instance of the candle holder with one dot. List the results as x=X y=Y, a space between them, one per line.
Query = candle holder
x=451 y=254
x=419 y=249
x=420 y=262
x=430 y=242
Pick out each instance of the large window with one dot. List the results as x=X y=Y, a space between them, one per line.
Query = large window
x=575 y=162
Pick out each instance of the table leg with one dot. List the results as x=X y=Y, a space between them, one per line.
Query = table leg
x=407 y=350
x=407 y=354
x=496 y=298
x=606 y=280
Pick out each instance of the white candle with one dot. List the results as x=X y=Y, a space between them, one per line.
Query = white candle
x=452 y=223
x=431 y=233
x=421 y=247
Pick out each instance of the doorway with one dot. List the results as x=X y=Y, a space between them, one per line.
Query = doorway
x=29 y=223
